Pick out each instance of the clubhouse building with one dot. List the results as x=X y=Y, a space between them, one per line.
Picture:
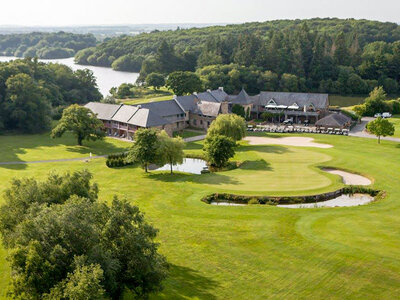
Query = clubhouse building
x=200 y=109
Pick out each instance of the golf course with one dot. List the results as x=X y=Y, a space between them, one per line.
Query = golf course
x=254 y=251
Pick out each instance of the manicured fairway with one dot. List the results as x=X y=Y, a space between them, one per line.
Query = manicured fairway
x=259 y=252
x=396 y=121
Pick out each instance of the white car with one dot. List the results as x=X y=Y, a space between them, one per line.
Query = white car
x=386 y=115
x=378 y=116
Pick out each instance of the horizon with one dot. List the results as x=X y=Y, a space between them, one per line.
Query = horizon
x=26 y=13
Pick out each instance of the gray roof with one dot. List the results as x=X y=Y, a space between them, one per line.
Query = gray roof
x=320 y=101
x=334 y=120
x=164 y=108
x=146 y=118
x=102 y=110
x=219 y=94
x=187 y=102
x=124 y=113
x=242 y=98
x=207 y=96
x=206 y=108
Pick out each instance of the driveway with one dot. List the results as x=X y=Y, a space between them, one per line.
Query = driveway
x=360 y=131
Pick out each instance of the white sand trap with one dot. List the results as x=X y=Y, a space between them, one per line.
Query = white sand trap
x=349 y=178
x=287 y=141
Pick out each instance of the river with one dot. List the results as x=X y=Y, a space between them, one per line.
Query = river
x=106 y=77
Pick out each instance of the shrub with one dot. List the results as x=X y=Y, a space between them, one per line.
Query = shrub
x=118 y=160
x=253 y=201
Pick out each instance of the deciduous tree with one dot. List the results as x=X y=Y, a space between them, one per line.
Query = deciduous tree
x=229 y=125
x=144 y=149
x=219 y=149
x=170 y=150
x=380 y=127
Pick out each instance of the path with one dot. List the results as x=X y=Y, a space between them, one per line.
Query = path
x=359 y=131
x=195 y=138
x=49 y=161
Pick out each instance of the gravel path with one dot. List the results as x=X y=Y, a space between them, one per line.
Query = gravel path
x=49 y=161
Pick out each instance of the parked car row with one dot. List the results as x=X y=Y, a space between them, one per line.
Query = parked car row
x=383 y=115
x=299 y=129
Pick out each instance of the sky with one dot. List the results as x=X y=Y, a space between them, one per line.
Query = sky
x=117 y=12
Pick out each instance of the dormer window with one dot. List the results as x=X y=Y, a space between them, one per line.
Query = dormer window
x=272 y=102
x=311 y=107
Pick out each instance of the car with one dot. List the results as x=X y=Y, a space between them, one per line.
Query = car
x=288 y=121
x=386 y=115
x=378 y=115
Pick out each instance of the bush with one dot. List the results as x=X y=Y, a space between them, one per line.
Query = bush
x=253 y=201
x=118 y=160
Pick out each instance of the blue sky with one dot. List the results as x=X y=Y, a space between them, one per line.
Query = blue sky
x=91 y=12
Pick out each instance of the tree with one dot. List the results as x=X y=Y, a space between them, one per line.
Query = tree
x=375 y=103
x=82 y=122
x=219 y=149
x=108 y=100
x=229 y=125
x=380 y=127
x=170 y=150
x=184 y=82
x=27 y=106
x=156 y=80
x=144 y=149
x=238 y=110
x=77 y=247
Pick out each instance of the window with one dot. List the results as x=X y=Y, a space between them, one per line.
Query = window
x=194 y=122
x=201 y=122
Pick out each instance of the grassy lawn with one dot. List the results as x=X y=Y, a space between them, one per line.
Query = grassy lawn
x=145 y=100
x=396 y=121
x=258 y=252
x=344 y=101
x=42 y=147
x=187 y=133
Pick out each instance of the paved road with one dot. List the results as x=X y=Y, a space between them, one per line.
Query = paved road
x=195 y=138
x=359 y=131
x=49 y=161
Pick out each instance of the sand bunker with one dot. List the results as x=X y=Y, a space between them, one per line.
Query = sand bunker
x=349 y=178
x=287 y=141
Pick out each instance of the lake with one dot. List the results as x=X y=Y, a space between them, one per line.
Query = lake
x=106 y=77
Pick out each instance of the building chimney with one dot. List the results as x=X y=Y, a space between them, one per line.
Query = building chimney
x=209 y=90
x=175 y=97
x=195 y=93
x=221 y=88
x=139 y=106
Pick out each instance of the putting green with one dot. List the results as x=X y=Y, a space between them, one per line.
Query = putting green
x=272 y=169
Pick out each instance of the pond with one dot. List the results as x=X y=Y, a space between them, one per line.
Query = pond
x=106 y=77
x=341 y=201
x=189 y=165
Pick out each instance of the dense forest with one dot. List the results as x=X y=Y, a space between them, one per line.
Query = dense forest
x=318 y=55
x=31 y=93
x=45 y=45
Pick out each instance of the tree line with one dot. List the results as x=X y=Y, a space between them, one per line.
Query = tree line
x=317 y=55
x=45 y=45
x=31 y=93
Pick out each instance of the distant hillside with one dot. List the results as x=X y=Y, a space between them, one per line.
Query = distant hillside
x=45 y=45
x=132 y=50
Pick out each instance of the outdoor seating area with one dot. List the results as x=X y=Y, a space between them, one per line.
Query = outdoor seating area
x=298 y=129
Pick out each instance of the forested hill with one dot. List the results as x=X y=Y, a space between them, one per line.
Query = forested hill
x=324 y=55
x=45 y=45
x=127 y=52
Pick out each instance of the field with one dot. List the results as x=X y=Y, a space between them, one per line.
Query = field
x=396 y=121
x=344 y=101
x=187 y=133
x=252 y=252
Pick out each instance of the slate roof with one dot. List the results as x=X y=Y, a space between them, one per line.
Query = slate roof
x=207 y=96
x=164 y=108
x=242 y=98
x=187 y=102
x=219 y=94
x=102 y=110
x=144 y=117
x=210 y=109
x=125 y=113
x=320 y=101
x=334 y=120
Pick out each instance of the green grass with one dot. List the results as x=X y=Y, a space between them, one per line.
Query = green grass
x=344 y=101
x=42 y=147
x=187 y=133
x=259 y=252
x=396 y=121
x=145 y=100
